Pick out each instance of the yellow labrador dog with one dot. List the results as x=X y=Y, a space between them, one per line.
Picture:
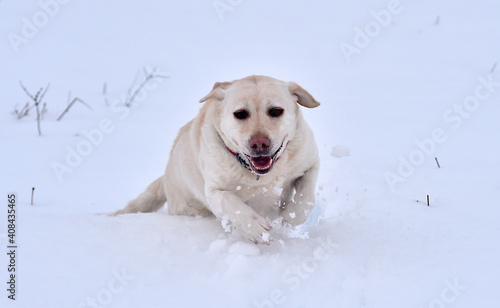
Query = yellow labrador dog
x=247 y=156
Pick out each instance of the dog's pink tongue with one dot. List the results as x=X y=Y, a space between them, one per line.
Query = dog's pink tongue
x=262 y=162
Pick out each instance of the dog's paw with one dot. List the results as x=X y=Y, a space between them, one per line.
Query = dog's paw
x=295 y=215
x=255 y=228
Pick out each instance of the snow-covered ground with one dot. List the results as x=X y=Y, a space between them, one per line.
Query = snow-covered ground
x=400 y=82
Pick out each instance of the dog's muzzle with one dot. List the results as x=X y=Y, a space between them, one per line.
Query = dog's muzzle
x=260 y=164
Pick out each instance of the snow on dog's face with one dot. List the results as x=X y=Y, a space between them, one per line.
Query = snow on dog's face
x=258 y=117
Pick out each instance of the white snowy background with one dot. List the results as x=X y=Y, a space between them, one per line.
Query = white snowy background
x=400 y=82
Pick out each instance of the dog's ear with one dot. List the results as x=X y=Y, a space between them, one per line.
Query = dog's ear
x=217 y=92
x=303 y=97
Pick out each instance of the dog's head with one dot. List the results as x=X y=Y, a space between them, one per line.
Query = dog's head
x=258 y=116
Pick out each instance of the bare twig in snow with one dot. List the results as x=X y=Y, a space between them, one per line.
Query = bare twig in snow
x=105 y=93
x=44 y=110
x=437 y=162
x=37 y=99
x=132 y=94
x=70 y=104
x=24 y=111
x=32 y=194
x=428 y=201
x=437 y=21
x=493 y=68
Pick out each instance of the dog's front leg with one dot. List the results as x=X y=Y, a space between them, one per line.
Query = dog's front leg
x=250 y=224
x=297 y=210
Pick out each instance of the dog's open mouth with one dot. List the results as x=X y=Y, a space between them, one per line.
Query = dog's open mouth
x=264 y=164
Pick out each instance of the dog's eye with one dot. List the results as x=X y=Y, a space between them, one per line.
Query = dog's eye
x=275 y=112
x=241 y=114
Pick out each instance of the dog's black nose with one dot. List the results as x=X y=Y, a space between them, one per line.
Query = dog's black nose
x=260 y=144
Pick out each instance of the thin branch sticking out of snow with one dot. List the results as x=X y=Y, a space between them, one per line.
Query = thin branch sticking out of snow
x=44 y=110
x=32 y=194
x=105 y=93
x=70 y=104
x=23 y=112
x=493 y=68
x=132 y=94
x=437 y=21
x=437 y=162
x=37 y=99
